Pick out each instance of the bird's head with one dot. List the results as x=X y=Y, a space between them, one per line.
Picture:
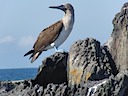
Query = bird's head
x=66 y=7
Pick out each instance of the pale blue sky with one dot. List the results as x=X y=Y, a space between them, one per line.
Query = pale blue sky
x=21 y=21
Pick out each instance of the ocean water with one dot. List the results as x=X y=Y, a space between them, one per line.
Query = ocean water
x=18 y=74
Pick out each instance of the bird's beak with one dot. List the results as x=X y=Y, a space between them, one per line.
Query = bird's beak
x=58 y=7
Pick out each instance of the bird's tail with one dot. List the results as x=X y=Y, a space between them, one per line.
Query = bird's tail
x=34 y=55
x=29 y=52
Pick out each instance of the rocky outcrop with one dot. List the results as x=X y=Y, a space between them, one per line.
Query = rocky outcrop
x=89 y=61
x=118 y=43
x=115 y=86
x=53 y=70
x=25 y=88
x=89 y=69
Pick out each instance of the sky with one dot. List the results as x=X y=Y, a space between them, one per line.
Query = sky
x=21 y=21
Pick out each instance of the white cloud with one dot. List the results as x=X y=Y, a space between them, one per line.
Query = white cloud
x=6 y=39
x=22 y=41
x=26 y=41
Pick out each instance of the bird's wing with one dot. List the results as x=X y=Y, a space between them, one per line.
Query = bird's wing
x=47 y=36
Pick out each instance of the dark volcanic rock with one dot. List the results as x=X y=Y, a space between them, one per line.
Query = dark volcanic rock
x=115 y=86
x=25 y=88
x=53 y=70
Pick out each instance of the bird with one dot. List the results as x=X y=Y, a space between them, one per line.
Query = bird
x=54 y=35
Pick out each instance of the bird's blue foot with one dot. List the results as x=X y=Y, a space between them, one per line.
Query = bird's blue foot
x=59 y=50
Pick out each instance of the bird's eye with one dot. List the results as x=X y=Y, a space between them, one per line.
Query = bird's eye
x=61 y=5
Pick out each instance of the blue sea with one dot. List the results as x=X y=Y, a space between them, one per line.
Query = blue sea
x=18 y=74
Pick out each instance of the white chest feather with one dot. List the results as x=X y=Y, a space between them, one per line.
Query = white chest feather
x=62 y=37
x=67 y=28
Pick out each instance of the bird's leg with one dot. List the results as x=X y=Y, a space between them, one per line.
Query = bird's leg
x=56 y=48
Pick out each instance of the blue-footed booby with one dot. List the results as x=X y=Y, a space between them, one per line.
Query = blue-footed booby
x=54 y=35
